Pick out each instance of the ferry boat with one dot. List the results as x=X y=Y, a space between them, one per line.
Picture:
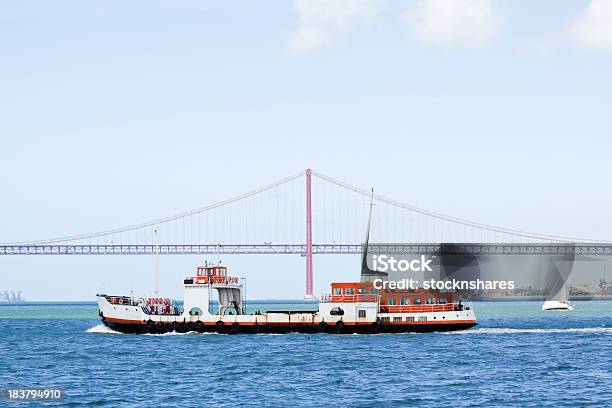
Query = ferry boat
x=351 y=307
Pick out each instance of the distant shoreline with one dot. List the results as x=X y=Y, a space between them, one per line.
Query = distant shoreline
x=302 y=301
x=538 y=298
x=93 y=302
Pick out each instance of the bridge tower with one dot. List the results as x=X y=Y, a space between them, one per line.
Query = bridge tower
x=309 y=294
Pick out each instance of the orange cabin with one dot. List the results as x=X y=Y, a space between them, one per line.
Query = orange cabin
x=213 y=274
x=394 y=300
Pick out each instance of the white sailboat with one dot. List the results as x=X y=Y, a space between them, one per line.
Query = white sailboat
x=557 y=305
x=558 y=275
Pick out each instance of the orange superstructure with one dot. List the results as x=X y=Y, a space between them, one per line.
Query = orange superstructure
x=395 y=300
x=213 y=274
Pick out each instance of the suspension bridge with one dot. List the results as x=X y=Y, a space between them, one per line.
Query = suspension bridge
x=308 y=213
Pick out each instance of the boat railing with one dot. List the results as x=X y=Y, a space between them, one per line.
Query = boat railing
x=121 y=300
x=177 y=309
x=146 y=309
x=214 y=279
x=359 y=297
x=161 y=307
x=436 y=307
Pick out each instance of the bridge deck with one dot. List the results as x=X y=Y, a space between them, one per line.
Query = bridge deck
x=300 y=249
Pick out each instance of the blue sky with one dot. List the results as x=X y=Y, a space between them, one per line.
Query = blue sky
x=114 y=113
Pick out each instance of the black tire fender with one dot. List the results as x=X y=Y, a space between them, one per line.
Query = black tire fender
x=219 y=325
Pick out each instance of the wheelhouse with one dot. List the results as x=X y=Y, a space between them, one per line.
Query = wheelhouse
x=213 y=274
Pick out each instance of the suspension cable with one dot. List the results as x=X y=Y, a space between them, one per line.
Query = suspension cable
x=166 y=219
x=461 y=221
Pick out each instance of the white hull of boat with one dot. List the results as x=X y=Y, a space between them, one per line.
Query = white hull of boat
x=557 y=305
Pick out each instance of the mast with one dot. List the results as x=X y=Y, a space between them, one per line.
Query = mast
x=364 y=257
x=156 y=263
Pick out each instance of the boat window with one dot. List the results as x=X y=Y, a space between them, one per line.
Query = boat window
x=404 y=301
x=361 y=313
x=361 y=291
x=349 y=291
x=442 y=301
x=336 y=311
x=417 y=301
x=337 y=291
x=430 y=301
x=397 y=319
x=195 y=311
x=391 y=302
x=373 y=291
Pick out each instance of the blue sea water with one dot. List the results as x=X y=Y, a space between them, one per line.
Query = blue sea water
x=516 y=356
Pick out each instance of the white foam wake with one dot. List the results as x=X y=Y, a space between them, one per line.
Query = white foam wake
x=174 y=333
x=504 y=330
x=101 y=328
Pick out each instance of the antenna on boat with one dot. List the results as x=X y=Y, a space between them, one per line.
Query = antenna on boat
x=364 y=258
x=156 y=263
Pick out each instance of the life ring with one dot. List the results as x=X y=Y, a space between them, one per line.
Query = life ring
x=120 y=301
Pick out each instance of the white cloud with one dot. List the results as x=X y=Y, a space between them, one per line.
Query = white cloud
x=593 y=29
x=449 y=23
x=321 y=23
